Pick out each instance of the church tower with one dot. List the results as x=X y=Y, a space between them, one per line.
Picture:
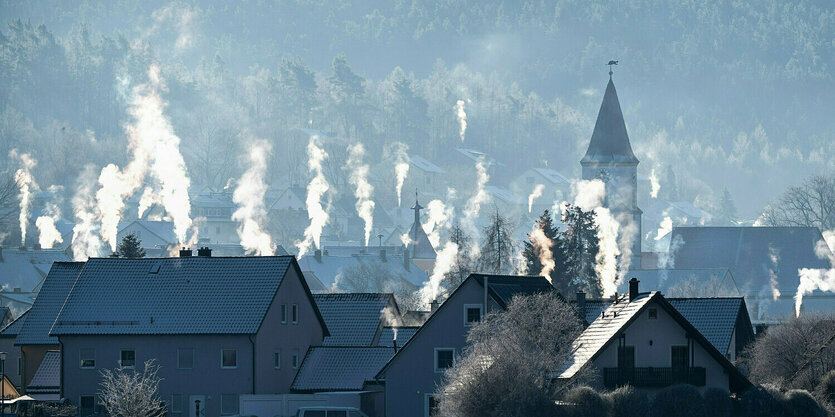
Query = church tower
x=610 y=159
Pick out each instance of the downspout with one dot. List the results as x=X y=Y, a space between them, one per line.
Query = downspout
x=486 y=285
x=23 y=369
x=253 y=363
x=61 y=384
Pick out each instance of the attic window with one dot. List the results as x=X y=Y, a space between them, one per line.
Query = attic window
x=155 y=268
x=652 y=314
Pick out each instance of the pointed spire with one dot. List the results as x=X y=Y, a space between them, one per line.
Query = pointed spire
x=420 y=245
x=609 y=141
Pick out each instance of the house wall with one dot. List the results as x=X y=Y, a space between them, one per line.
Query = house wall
x=32 y=357
x=664 y=333
x=285 y=337
x=12 y=357
x=205 y=378
x=411 y=376
x=149 y=240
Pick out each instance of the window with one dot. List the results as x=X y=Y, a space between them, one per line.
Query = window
x=444 y=358
x=295 y=313
x=337 y=413
x=472 y=314
x=185 y=358
x=277 y=359
x=176 y=403
x=283 y=313
x=652 y=314
x=229 y=358
x=87 y=405
x=295 y=358
x=432 y=403
x=228 y=404
x=626 y=357
x=679 y=357
x=127 y=358
x=88 y=358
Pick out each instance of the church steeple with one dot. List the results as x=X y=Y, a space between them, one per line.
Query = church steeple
x=420 y=246
x=609 y=141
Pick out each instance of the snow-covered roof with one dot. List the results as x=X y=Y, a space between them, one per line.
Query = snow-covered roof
x=503 y=194
x=353 y=319
x=339 y=368
x=552 y=176
x=424 y=165
x=41 y=316
x=25 y=269
x=163 y=230
x=13 y=329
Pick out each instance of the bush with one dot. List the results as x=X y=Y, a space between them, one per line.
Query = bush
x=628 y=402
x=799 y=403
x=586 y=402
x=718 y=403
x=825 y=390
x=678 y=400
x=760 y=401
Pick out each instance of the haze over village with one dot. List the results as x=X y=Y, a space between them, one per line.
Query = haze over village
x=489 y=208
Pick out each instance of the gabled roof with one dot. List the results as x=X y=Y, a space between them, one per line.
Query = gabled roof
x=609 y=141
x=715 y=318
x=353 y=318
x=750 y=254
x=47 y=378
x=24 y=269
x=187 y=295
x=552 y=176
x=340 y=368
x=605 y=329
x=41 y=317
x=404 y=333
x=163 y=230
x=13 y=329
x=503 y=194
x=424 y=164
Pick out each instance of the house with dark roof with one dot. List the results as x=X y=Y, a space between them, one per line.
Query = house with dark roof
x=219 y=327
x=411 y=376
x=33 y=339
x=356 y=319
x=644 y=340
x=7 y=337
x=25 y=268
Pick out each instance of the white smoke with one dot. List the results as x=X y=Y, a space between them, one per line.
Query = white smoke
x=473 y=206
x=85 y=237
x=315 y=190
x=774 y=256
x=405 y=239
x=667 y=258
x=537 y=192
x=654 y=184
x=48 y=234
x=251 y=214
x=664 y=228
x=390 y=318
x=462 y=118
x=628 y=235
x=542 y=246
x=148 y=199
x=820 y=279
x=363 y=189
x=590 y=195
x=401 y=167
x=440 y=217
x=443 y=264
x=26 y=185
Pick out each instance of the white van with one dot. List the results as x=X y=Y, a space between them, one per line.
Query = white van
x=329 y=412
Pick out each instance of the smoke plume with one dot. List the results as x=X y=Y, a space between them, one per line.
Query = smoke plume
x=664 y=228
x=251 y=214
x=85 y=233
x=363 y=189
x=401 y=166
x=590 y=195
x=440 y=217
x=627 y=236
x=473 y=206
x=774 y=257
x=48 y=234
x=315 y=190
x=389 y=317
x=542 y=246
x=26 y=185
x=462 y=118
x=443 y=264
x=537 y=192
x=148 y=199
x=655 y=186
x=820 y=279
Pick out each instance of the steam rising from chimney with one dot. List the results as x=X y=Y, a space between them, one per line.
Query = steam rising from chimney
x=537 y=192
x=664 y=228
x=542 y=246
x=821 y=279
x=391 y=318
x=443 y=264
x=440 y=216
x=401 y=166
x=363 y=189
x=251 y=214
x=590 y=195
x=774 y=256
x=315 y=190
x=462 y=118
x=48 y=233
x=473 y=206
x=85 y=238
x=655 y=186
x=25 y=183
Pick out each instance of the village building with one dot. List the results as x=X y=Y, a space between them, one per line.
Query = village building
x=7 y=337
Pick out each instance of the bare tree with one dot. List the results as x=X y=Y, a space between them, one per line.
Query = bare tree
x=504 y=370
x=129 y=393
x=809 y=204
x=376 y=276
x=692 y=286
x=499 y=247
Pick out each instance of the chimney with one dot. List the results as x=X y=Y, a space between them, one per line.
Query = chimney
x=382 y=255
x=185 y=253
x=36 y=246
x=394 y=342
x=406 y=262
x=317 y=254
x=581 y=304
x=204 y=251
x=433 y=306
x=633 y=288
x=1 y=254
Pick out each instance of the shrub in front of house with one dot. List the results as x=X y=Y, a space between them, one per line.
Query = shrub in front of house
x=718 y=403
x=760 y=401
x=678 y=400
x=825 y=391
x=586 y=402
x=626 y=401
x=799 y=403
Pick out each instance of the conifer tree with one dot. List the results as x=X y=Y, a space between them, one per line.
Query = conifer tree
x=532 y=256
x=580 y=246
x=130 y=247
x=497 y=252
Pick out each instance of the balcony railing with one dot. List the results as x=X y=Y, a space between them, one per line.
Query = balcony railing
x=653 y=377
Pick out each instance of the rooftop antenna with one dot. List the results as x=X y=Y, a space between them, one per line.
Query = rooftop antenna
x=380 y=236
x=610 y=64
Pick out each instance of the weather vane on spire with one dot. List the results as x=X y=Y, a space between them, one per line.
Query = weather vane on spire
x=610 y=67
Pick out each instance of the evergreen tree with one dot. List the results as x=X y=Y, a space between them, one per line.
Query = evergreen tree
x=531 y=254
x=580 y=246
x=727 y=208
x=130 y=247
x=497 y=252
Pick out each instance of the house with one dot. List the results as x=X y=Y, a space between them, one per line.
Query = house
x=153 y=234
x=292 y=198
x=25 y=268
x=424 y=175
x=7 y=337
x=764 y=262
x=18 y=301
x=642 y=340
x=322 y=267
x=213 y=213
x=396 y=335
x=356 y=319
x=506 y=201
x=555 y=187
x=411 y=376
x=219 y=327
x=33 y=339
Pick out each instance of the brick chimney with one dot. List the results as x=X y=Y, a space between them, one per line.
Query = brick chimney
x=317 y=254
x=433 y=306
x=633 y=288
x=185 y=253
x=205 y=252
